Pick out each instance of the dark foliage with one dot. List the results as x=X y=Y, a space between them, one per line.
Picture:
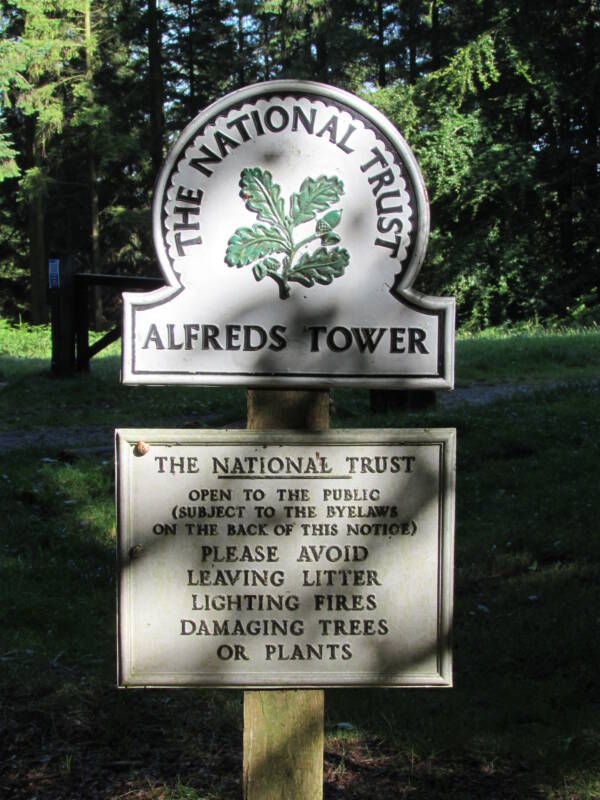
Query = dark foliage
x=498 y=99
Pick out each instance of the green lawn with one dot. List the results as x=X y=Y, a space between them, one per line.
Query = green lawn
x=523 y=718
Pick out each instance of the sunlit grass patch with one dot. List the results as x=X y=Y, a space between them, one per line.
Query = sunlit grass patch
x=517 y=356
x=25 y=341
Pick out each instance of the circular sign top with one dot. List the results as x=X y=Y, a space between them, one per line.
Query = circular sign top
x=294 y=186
x=290 y=221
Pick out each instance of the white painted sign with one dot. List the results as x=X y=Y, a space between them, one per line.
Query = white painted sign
x=290 y=221
x=256 y=559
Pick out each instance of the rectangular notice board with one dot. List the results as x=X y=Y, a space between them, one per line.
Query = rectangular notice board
x=256 y=559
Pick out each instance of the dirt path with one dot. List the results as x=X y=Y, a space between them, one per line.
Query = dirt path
x=88 y=436
x=101 y=436
x=480 y=395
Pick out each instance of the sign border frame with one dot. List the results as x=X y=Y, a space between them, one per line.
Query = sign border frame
x=444 y=308
x=127 y=438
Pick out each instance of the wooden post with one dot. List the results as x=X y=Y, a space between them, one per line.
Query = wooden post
x=82 y=323
x=284 y=729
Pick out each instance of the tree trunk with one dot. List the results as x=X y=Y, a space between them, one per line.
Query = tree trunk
x=412 y=40
x=192 y=103
x=36 y=226
x=381 y=52
x=284 y=36
x=308 y=38
x=592 y=44
x=436 y=61
x=156 y=87
x=266 y=34
x=321 y=47
x=98 y=313
x=37 y=258
x=241 y=47
x=565 y=189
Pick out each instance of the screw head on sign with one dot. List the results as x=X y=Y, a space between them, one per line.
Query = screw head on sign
x=141 y=448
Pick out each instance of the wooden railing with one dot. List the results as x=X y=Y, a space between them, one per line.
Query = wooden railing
x=71 y=349
x=70 y=313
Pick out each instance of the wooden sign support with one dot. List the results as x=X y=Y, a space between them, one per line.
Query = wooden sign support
x=284 y=729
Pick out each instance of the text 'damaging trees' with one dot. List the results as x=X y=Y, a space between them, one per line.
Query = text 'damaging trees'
x=295 y=559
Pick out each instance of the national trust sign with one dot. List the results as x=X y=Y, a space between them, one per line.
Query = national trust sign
x=290 y=221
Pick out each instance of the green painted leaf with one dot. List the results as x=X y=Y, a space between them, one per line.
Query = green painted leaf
x=262 y=196
x=258 y=243
x=330 y=238
x=316 y=194
x=268 y=266
x=332 y=218
x=248 y=244
x=259 y=270
x=322 y=266
x=271 y=264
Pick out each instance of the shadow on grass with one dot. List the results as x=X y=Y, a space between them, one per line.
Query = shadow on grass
x=34 y=399
x=521 y=722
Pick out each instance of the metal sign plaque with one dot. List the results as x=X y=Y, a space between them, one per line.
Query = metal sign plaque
x=54 y=273
x=290 y=221
x=270 y=559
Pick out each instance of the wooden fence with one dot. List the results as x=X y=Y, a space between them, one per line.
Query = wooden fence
x=69 y=293
x=72 y=352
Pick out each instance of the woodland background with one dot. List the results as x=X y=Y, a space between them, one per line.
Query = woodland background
x=497 y=98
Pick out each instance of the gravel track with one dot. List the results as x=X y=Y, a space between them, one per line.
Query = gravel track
x=101 y=436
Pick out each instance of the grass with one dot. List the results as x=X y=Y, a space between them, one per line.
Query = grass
x=526 y=606
x=522 y=720
x=33 y=398
x=498 y=356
